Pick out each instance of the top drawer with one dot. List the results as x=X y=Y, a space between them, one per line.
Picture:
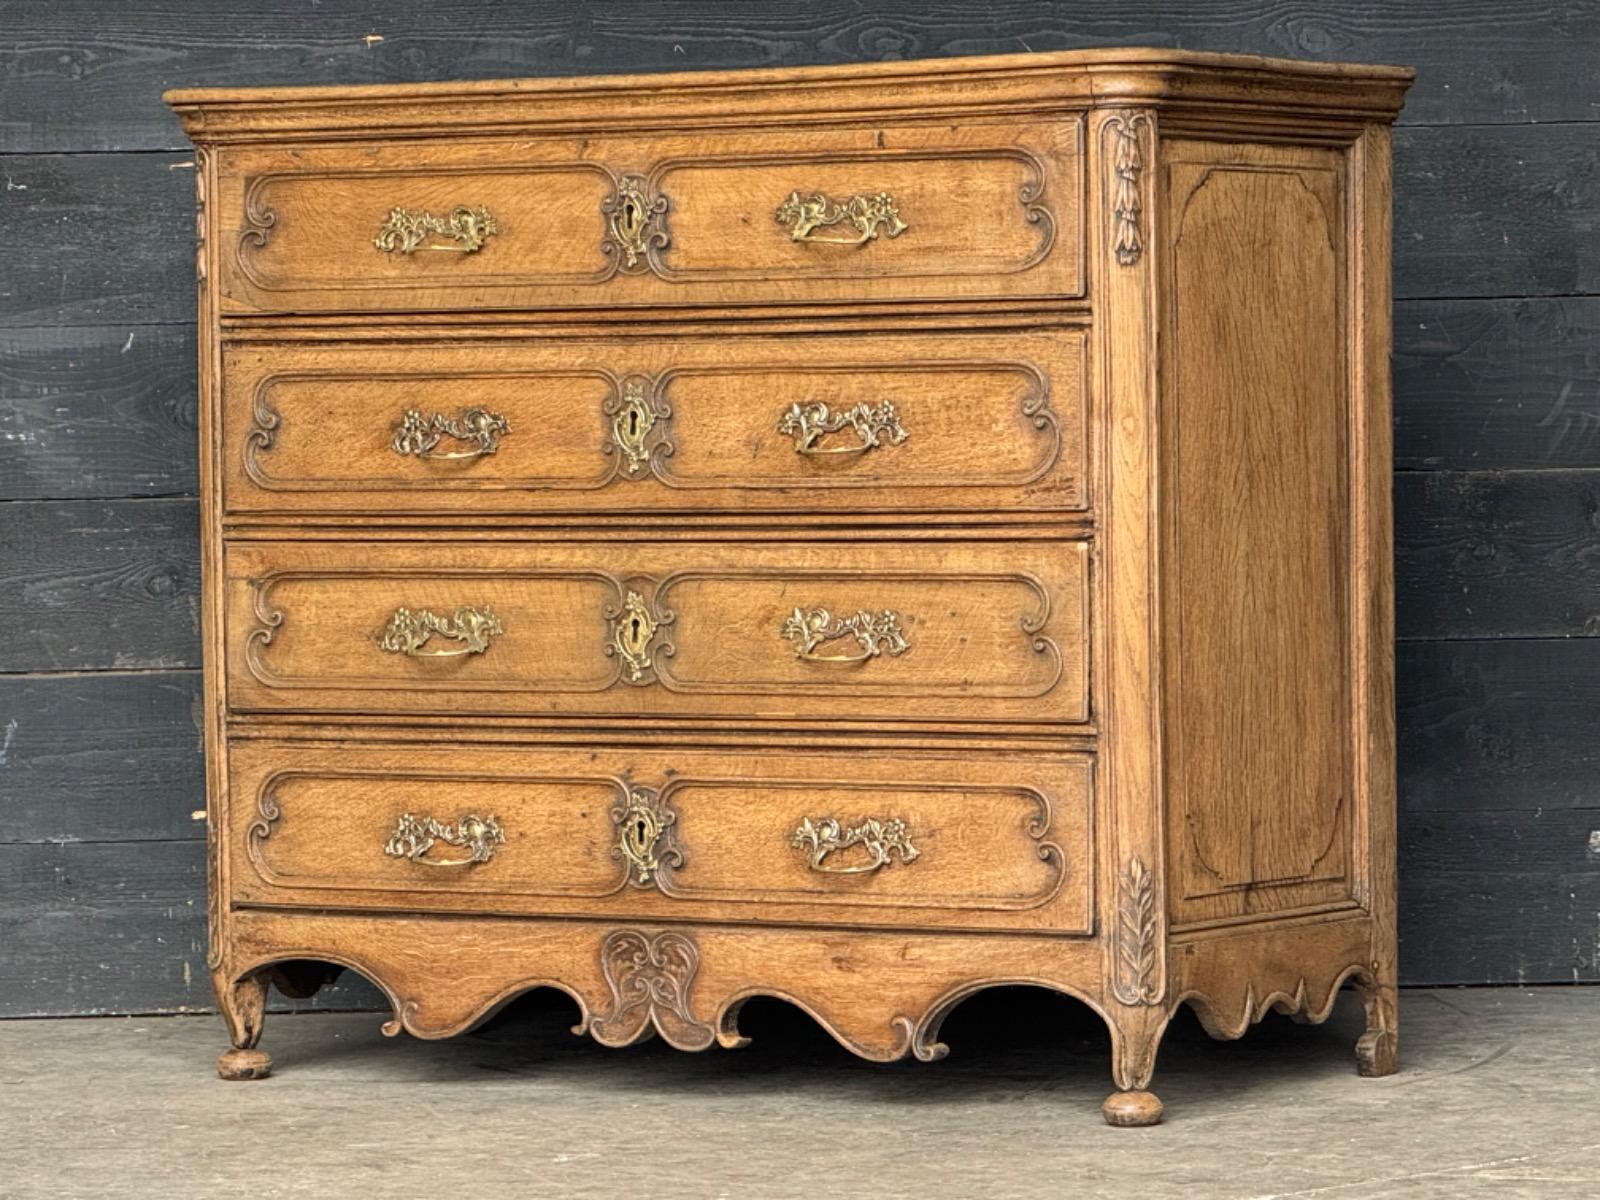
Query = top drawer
x=980 y=210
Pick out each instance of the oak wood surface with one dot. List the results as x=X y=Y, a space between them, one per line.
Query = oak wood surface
x=979 y=422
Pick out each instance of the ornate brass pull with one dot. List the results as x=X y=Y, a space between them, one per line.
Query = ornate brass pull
x=876 y=634
x=810 y=423
x=881 y=839
x=408 y=632
x=414 y=836
x=805 y=215
x=408 y=228
x=421 y=435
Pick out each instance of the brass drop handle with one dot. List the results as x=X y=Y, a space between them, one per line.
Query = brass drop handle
x=809 y=423
x=414 y=836
x=875 y=634
x=822 y=836
x=478 y=427
x=410 y=632
x=407 y=230
x=805 y=215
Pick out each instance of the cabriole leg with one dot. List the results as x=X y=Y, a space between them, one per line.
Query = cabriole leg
x=1378 y=1050
x=1135 y=1037
x=243 y=1002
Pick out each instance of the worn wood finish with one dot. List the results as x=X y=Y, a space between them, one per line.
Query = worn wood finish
x=960 y=631
x=977 y=421
x=670 y=835
x=100 y=585
x=101 y=412
x=1171 y=666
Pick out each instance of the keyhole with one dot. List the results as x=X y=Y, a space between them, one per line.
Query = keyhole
x=633 y=423
x=630 y=213
x=633 y=625
x=638 y=831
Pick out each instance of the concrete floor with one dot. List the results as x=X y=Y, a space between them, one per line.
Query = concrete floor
x=1498 y=1095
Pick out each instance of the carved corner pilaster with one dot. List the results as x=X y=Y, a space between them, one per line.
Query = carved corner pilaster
x=1125 y=162
x=1136 y=978
x=650 y=979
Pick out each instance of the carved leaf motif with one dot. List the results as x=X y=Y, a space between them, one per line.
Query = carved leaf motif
x=1126 y=207
x=650 y=979
x=1135 y=981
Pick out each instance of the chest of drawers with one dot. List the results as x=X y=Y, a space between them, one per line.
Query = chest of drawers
x=860 y=535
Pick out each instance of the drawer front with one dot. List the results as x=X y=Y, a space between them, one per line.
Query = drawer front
x=868 y=633
x=826 y=424
x=796 y=835
x=973 y=210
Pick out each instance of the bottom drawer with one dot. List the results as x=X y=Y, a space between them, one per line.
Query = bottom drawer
x=795 y=835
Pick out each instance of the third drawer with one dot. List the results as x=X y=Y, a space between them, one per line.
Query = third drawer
x=850 y=632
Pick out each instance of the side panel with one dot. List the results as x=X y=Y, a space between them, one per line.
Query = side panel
x=1257 y=599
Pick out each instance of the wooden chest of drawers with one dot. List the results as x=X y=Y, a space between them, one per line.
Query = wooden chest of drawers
x=860 y=535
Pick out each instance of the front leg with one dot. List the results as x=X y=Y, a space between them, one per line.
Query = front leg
x=1378 y=1050
x=243 y=1002
x=1136 y=1032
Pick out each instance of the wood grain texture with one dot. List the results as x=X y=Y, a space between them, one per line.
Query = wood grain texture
x=1486 y=554
x=89 y=79
x=100 y=585
x=1491 y=385
x=1266 y=221
x=97 y=412
x=1257 y=433
x=1503 y=725
x=1500 y=897
x=110 y=237
x=100 y=757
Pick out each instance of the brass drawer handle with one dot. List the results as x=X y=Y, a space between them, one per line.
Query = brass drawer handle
x=409 y=633
x=407 y=229
x=806 y=215
x=825 y=836
x=414 y=836
x=809 y=629
x=421 y=435
x=808 y=424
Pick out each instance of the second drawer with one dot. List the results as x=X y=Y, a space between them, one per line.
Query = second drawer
x=829 y=632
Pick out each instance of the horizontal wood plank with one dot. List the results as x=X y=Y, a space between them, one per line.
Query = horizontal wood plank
x=88 y=76
x=1499 y=725
x=109 y=239
x=101 y=411
x=100 y=585
x=1496 y=384
x=101 y=928
x=1487 y=554
x=101 y=757
x=1499 y=897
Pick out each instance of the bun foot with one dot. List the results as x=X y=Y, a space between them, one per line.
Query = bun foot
x=244 y=1064
x=1377 y=1053
x=1129 y=1110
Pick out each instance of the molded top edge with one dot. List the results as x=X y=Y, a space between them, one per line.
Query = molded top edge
x=1148 y=71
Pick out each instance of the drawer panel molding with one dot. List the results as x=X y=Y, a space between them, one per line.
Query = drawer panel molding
x=681 y=832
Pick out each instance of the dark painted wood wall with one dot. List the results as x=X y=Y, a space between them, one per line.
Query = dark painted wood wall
x=1497 y=386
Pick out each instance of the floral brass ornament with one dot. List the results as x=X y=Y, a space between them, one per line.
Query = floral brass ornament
x=414 y=837
x=650 y=978
x=1134 y=977
x=637 y=221
x=479 y=428
x=876 y=634
x=410 y=632
x=407 y=230
x=633 y=628
x=867 y=215
x=1126 y=165
x=875 y=425
x=646 y=841
x=822 y=836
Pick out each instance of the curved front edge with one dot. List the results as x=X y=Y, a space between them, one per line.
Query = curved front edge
x=882 y=996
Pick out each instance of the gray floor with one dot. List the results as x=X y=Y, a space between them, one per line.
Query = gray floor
x=1497 y=1096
